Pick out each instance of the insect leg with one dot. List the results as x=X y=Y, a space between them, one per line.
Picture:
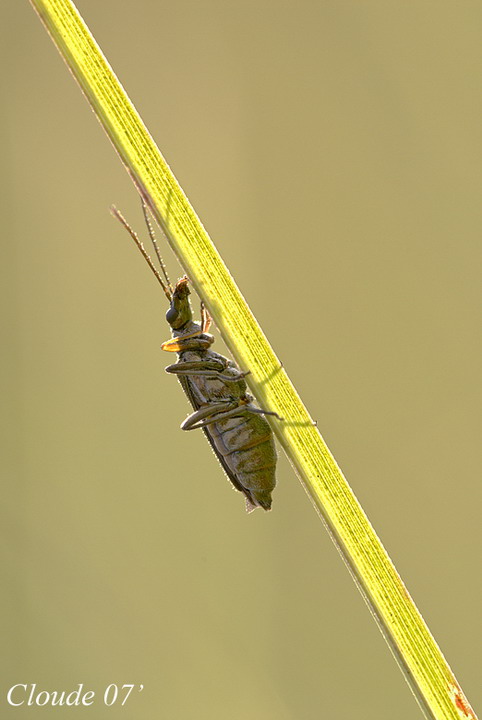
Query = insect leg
x=207 y=368
x=206 y=319
x=191 y=368
x=260 y=411
x=211 y=414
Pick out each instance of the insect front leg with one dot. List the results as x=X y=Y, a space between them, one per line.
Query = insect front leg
x=212 y=369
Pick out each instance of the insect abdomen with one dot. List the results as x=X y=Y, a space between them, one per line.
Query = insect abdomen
x=247 y=446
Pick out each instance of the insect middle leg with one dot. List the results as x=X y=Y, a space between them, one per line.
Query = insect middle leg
x=221 y=411
x=212 y=413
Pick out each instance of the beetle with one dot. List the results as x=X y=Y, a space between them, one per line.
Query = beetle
x=235 y=427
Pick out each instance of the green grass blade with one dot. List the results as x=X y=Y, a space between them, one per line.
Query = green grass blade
x=415 y=649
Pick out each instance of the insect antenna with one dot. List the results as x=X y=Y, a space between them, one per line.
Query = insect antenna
x=167 y=288
x=150 y=229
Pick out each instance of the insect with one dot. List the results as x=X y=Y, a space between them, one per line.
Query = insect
x=236 y=428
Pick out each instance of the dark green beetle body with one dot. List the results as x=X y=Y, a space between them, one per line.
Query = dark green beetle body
x=236 y=429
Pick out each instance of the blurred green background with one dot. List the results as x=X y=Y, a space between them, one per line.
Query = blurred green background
x=333 y=152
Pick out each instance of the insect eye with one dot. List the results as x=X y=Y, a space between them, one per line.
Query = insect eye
x=171 y=316
x=179 y=314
